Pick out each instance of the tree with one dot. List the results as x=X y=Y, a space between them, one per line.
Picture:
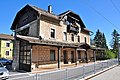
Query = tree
x=104 y=44
x=98 y=39
x=114 y=41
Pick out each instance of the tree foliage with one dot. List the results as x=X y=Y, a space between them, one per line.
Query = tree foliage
x=114 y=42
x=100 y=40
x=109 y=54
x=104 y=44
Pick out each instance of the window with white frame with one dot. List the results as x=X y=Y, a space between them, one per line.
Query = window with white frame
x=78 y=38
x=72 y=37
x=52 y=31
x=65 y=36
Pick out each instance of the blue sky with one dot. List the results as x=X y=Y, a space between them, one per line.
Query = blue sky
x=92 y=12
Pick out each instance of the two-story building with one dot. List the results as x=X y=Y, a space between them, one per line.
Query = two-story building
x=42 y=37
x=6 y=46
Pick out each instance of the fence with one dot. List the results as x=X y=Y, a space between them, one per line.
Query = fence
x=69 y=73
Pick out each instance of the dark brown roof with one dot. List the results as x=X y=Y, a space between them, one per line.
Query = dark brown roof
x=44 y=12
x=84 y=45
x=34 y=40
x=98 y=48
x=40 y=12
x=6 y=36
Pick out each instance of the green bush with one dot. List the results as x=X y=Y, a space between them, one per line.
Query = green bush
x=110 y=54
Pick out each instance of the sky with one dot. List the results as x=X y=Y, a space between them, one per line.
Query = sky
x=96 y=14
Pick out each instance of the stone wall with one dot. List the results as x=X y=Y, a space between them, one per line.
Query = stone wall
x=41 y=54
x=15 y=64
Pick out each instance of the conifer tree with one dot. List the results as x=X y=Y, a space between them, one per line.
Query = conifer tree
x=104 y=44
x=114 y=41
x=98 y=39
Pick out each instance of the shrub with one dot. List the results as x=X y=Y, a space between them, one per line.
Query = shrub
x=110 y=54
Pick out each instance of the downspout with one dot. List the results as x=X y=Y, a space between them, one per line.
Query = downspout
x=86 y=56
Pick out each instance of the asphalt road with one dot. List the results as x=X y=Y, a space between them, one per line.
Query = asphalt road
x=112 y=74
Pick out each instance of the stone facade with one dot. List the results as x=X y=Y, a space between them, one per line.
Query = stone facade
x=61 y=36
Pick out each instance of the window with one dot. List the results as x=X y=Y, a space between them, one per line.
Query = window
x=7 y=44
x=52 y=55
x=78 y=38
x=85 y=39
x=72 y=37
x=52 y=33
x=79 y=55
x=7 y=53
x=65 y=36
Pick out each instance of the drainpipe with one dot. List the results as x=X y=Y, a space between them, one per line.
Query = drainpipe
x=59 y=57
x=86 y=56
x=75 y=56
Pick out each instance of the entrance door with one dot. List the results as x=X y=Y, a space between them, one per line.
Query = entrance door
x=25 y=57
x=72 y=57
x=65 y=57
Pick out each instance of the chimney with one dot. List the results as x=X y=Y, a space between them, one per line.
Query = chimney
x=50 y=8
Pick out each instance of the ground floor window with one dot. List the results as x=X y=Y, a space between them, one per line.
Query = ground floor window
x=7 y=53
x=52 y=55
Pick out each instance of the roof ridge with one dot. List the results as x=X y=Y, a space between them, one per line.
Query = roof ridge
x=44 y=10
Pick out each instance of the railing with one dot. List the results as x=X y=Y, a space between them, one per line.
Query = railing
x=68 y=73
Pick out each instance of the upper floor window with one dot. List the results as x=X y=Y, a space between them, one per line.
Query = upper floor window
x=7 y=44
x=65 y=36
x=72 y=37
x=85 y=39
x=52 y=33
x=78 y=38
x=24 y=32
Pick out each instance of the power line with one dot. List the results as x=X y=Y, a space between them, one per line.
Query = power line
x=115 y=6
x=102 y=16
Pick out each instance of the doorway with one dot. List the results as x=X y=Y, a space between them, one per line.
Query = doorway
x=65 y=57
x=72 y=57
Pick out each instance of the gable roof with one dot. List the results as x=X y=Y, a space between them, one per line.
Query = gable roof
x=45 y=13
x=38 y=10
x=6 y=36
x=72 y=13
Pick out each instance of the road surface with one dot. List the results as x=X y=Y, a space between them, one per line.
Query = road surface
x=112 y=74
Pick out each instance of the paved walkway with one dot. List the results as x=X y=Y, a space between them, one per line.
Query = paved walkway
x=112 y=74
x=54 y=67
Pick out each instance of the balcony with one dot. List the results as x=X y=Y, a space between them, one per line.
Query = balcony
x=72 y=29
